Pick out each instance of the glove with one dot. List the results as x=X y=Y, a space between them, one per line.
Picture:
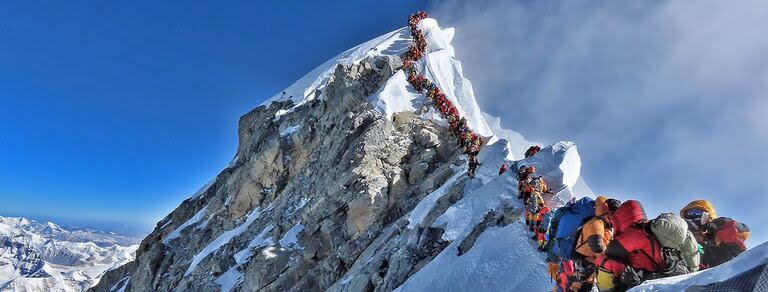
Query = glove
x=630 y=277
x=552 y=269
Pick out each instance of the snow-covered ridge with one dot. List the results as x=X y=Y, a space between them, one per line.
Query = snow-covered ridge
x=439 y=65
x=312 y=205
x=305 y=89
x=37 y=256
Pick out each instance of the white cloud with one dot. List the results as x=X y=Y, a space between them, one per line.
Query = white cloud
x=667 y=100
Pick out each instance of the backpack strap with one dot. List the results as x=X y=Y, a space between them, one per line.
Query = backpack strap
x=652 y=239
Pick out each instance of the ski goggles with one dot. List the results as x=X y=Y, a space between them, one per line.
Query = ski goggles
x=694 y=213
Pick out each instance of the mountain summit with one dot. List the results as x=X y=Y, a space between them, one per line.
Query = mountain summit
x=349 y=180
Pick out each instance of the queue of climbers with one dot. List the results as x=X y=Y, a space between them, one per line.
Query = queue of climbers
x=469 y=141
x=614 y=246
x=600 y=242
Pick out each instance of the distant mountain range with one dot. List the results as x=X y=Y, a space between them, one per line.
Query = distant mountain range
x=43 y=256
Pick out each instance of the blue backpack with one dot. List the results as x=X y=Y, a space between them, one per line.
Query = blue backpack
x=574 y=215
x=550 y=247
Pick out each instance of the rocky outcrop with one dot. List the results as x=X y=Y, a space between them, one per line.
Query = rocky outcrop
x=314 y=200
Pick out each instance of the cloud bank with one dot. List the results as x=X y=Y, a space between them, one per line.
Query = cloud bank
x=667 y=99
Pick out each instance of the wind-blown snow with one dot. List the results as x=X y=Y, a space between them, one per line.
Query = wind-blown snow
x=291 y=237
x=502 y=259
x=123 y=283
x=445 y=71
x=233 y=276
x=306 y=88
x=485 y=193
x=396 y=96
x=289 y=130
x=229 y=279
x=517 y=143
x=223 y=239
x=559 y=164
x=177 y=232
x=257 y=242
x=204 y=188
x=428 y=203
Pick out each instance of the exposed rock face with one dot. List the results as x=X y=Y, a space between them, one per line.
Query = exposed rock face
x=314 y=200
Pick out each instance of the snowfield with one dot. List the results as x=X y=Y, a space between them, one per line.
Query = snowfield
x=38 y=256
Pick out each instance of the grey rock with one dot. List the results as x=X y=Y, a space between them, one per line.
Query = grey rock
x=418 y=171
x=427 y=138
x=349 y=177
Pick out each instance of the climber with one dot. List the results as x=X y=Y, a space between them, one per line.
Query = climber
x=532 y=151
x=414 y=53
x=419 y=82
x=679 y=247
x=474 y=146
x=407 y=64
x=532 y=207
x=412 y=78
x=454 y=112
x=439 y=99
x=634 y=255
x=437 y=93
x=479 y=145
x=566 y=277
x=467 y=139
x=430 y=93
x=445 y=108
x=453 y=124
x=462 y=135
x=426 y=84
x=592 y=240
x=721 y=238
x=462 y=122
x=461 y=128
x=523 y=177
x=421 y=42
x=598 y=231
x=473 y=164
x=545 y=217
x=503 y=168
x=533 y=193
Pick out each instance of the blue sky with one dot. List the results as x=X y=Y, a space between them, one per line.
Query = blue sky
x=116 y=112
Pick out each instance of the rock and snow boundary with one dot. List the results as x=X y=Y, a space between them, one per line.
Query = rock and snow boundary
x=313 y=229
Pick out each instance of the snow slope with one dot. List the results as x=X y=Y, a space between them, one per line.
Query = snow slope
x=502 y=258
x=439 y=65
x=304 y=89
x=445 y=71
x=37 y=256
x=749 y=259
x=494 y=263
